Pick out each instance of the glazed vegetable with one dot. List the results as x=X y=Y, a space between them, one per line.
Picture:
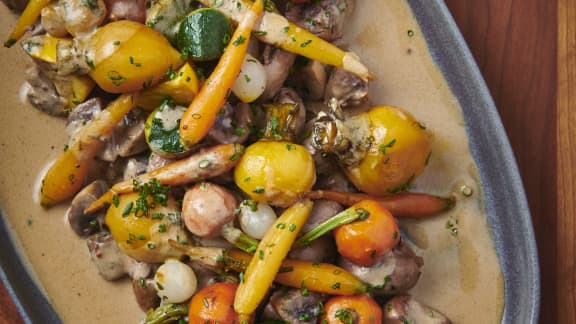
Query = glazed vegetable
x=182 y=87
x=162 y=130
x=142 y=223
x=360 y=309
x=407 y=204
x=211 y=304
x=166 y=313
x=364 y=241
x=276 y=30
x=268 y=258
x=314 y=276
x=125 y=56
x=251 y=80
x=66 y=175
x=175 y=282
x=204 y=34
x=363 y=232
x=256 y=218
x=204 y=164
x=201 y=113
x=27 y=19
x=275 y=170
x=382 y=150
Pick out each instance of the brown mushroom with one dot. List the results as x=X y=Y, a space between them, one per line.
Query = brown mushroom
x=80 y=223
x=406 y=309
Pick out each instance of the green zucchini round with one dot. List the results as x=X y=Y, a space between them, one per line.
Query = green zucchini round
x=162 y=130
x=204 y=34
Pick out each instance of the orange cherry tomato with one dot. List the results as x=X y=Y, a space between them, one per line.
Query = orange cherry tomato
x=213 y=304
x=366 y=239
x=358 y=309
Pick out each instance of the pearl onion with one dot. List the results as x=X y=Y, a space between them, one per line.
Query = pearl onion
x=251 y=80
x=256 y=218
x=174 y=281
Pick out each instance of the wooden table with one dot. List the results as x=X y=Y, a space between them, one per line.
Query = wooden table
x=526 y=50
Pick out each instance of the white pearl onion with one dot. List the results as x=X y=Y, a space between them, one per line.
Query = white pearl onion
x=175 y=282
x=256 y=218
x=251 y=80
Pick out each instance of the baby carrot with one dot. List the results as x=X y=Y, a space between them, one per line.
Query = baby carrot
x=276 y=30
x=27 y=19
x=66 y=175
x=407 y=204
x=268 y=257
x=201 y=114
x=204 y=164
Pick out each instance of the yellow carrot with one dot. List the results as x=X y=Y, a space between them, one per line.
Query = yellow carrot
x=314 y=276
x=27 y=19
x=66 y=175
x=201 y=114
x=268 y=258
x=204 y=164
x=276 y=30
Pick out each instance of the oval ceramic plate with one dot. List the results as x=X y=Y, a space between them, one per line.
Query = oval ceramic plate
x=504 y=199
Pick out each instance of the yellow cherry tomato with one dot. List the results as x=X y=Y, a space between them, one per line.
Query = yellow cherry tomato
x=126 y=56
x=399 y=151
x=275 y=172
x=144 y=236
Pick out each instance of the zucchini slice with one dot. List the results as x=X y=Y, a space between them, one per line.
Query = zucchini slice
x=204 y=34
x=162 y=130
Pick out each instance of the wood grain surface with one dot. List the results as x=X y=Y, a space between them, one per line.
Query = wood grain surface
x=566 y=160
x=526 y=50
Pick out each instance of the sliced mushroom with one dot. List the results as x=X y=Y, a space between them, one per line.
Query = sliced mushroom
x=325 y=18
x=295 y=306
x=232 y=124
x=322 y=249
x=314 y=78
x=277 y=64
x=395 y=272
x=111 y=262
x=134 y=10
x=52 y=21
x=145 y=293
x=42 y=93
x=406 y=309
x=82 y=16
x=156 y=161
x=322 y=211
x=80 y=223
x=128 y=137
x=134 y=167
x=347 y=88
x=82 y=114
